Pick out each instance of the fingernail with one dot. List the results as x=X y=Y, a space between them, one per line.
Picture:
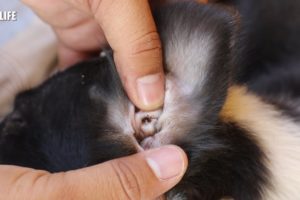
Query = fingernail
x=151 y=90
x=166 y=162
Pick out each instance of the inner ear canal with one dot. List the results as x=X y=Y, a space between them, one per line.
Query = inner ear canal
x=146 y=124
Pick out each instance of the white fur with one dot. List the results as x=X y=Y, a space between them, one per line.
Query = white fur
x=188 y=73
x=178 y=116
x=188 y=60
x=279 y=137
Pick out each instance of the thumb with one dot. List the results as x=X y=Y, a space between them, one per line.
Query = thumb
x=146 y=175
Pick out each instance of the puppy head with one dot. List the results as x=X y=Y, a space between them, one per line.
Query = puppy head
x=82 y=116
x=64 y=124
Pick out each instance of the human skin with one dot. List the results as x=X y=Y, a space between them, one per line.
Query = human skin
x=84 y=26
x=146 y=175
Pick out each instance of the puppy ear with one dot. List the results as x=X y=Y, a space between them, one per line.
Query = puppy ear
x=197 y=42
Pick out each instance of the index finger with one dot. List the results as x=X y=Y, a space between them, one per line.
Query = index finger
x=130 y=30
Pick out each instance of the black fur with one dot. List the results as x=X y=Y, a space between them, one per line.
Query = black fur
x=270 y=34
x=225 y=160
x=174 y=23
x=58 y=127
x=268 y=55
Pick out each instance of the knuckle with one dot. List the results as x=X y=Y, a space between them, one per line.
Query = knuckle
x=148 y=43
x=94 y=5
x=28 y=2
x=130 y=186
x=84 y=4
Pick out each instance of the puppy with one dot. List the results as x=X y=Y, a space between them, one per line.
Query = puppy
x=221 y=106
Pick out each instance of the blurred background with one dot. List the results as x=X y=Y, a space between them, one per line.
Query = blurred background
x=27 y=52
x=8 y=29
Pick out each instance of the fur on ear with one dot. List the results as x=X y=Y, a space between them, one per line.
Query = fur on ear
x=197 y=44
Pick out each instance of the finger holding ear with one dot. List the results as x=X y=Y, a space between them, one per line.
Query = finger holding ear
x=131 y=32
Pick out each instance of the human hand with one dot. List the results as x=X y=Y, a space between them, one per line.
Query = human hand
x=82 y=27
x=146 y=175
